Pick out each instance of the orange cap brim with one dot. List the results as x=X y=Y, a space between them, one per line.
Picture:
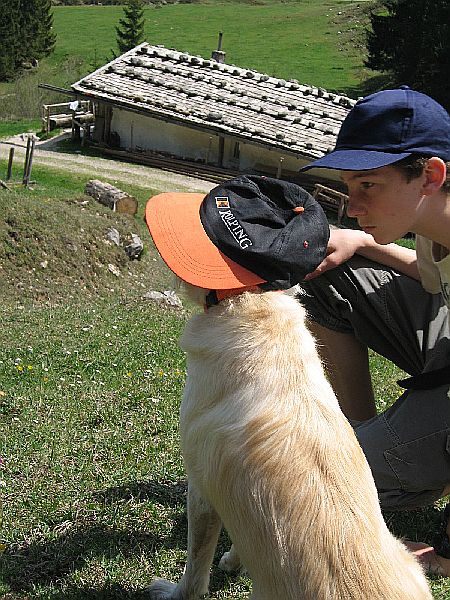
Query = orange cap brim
x=175 y=226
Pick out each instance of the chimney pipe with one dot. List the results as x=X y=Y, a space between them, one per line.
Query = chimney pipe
x=218 y=55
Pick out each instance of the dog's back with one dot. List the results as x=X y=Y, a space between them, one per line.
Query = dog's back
x=266 y=444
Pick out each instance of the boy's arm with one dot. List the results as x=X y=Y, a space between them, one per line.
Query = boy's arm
x=344 y=243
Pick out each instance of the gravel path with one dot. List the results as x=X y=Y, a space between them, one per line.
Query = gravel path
x=46 y=154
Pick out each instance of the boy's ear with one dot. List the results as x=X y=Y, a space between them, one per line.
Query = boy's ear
x=436 y=173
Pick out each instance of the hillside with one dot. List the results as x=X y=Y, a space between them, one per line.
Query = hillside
x=54 y=249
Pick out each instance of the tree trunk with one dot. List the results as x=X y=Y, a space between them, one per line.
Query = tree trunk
x=112 y=197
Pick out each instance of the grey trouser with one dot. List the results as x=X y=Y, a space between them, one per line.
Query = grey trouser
x=407 y=446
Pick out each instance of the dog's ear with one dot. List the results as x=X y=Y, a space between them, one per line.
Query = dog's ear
x=191 y=292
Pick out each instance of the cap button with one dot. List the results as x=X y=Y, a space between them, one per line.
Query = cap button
x=299 y=209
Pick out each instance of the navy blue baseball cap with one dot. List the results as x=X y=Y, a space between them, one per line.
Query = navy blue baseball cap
x=386 y=127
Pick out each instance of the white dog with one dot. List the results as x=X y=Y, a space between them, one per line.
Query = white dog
x=270 y=456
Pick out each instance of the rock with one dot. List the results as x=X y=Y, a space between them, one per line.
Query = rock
x=134 y=247
x=113 y=236
x=167 y=297
x=114 y=270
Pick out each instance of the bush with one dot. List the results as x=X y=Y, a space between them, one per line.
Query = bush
x=25 y=99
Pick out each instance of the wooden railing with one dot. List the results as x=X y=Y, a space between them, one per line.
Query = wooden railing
x=331 y=199
x=63 y=114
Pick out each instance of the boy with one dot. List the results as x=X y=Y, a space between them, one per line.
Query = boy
x=392 y=152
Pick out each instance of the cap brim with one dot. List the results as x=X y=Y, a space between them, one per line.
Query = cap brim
x=174 y=223
x=356 y=160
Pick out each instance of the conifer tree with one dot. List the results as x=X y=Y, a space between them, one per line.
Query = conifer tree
x=410 y=40
x=9 y=38
x=26 y=34
x=43 y=27
x=130 y=31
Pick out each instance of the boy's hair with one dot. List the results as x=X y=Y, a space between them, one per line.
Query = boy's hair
x=413 y=166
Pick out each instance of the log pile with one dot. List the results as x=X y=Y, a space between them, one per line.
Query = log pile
x=65 y=120
x=112 y=197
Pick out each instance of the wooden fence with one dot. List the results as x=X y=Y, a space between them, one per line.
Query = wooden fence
x=78 y=113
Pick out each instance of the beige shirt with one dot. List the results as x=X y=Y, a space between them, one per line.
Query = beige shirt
x=433 y=262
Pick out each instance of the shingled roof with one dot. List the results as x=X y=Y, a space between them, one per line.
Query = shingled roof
x=196 y=92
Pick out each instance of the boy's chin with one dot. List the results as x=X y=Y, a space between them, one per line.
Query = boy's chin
x=385 y=238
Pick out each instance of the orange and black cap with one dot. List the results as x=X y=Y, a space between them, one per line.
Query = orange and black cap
x=247 y=231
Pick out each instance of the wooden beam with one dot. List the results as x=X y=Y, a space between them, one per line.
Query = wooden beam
x=221 y=151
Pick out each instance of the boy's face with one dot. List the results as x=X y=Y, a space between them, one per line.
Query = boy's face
x=385 y=204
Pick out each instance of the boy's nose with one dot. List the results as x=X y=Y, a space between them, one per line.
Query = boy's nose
x=355 y=207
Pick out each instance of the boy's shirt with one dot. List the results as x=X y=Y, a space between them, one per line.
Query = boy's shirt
x=433 y=262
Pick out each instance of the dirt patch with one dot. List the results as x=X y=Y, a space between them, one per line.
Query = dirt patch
x=47 y=153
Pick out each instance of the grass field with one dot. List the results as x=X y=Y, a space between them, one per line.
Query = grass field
x=290 y=39
x=93 y=486
x=318 y=43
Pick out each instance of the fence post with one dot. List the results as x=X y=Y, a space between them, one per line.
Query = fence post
x=28 y=161
x=47 y=118
x=25 y=166
x=10 y=164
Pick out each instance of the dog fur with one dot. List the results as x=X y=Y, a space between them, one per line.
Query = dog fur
x=269 y=455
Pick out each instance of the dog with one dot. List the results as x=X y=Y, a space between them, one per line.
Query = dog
x=270 y=456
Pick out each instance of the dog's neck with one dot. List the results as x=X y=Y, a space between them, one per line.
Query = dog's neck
x=216 y=296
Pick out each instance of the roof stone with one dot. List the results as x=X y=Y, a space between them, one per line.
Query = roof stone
x=166 y=83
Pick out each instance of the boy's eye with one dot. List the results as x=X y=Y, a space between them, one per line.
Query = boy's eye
x=366 y=184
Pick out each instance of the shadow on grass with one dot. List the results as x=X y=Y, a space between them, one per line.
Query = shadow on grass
x=369 y=85
x=417 y=525
x=111 y=591
x=49 y=562
x=169 y=494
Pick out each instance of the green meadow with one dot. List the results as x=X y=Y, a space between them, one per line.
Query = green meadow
x=92 y=484
x=287 y=39
x=318 y=43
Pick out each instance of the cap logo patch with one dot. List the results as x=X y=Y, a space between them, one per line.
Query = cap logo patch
x=235 y=228
x=222 y=202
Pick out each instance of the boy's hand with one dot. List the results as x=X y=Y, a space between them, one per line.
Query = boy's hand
x=342 y=245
